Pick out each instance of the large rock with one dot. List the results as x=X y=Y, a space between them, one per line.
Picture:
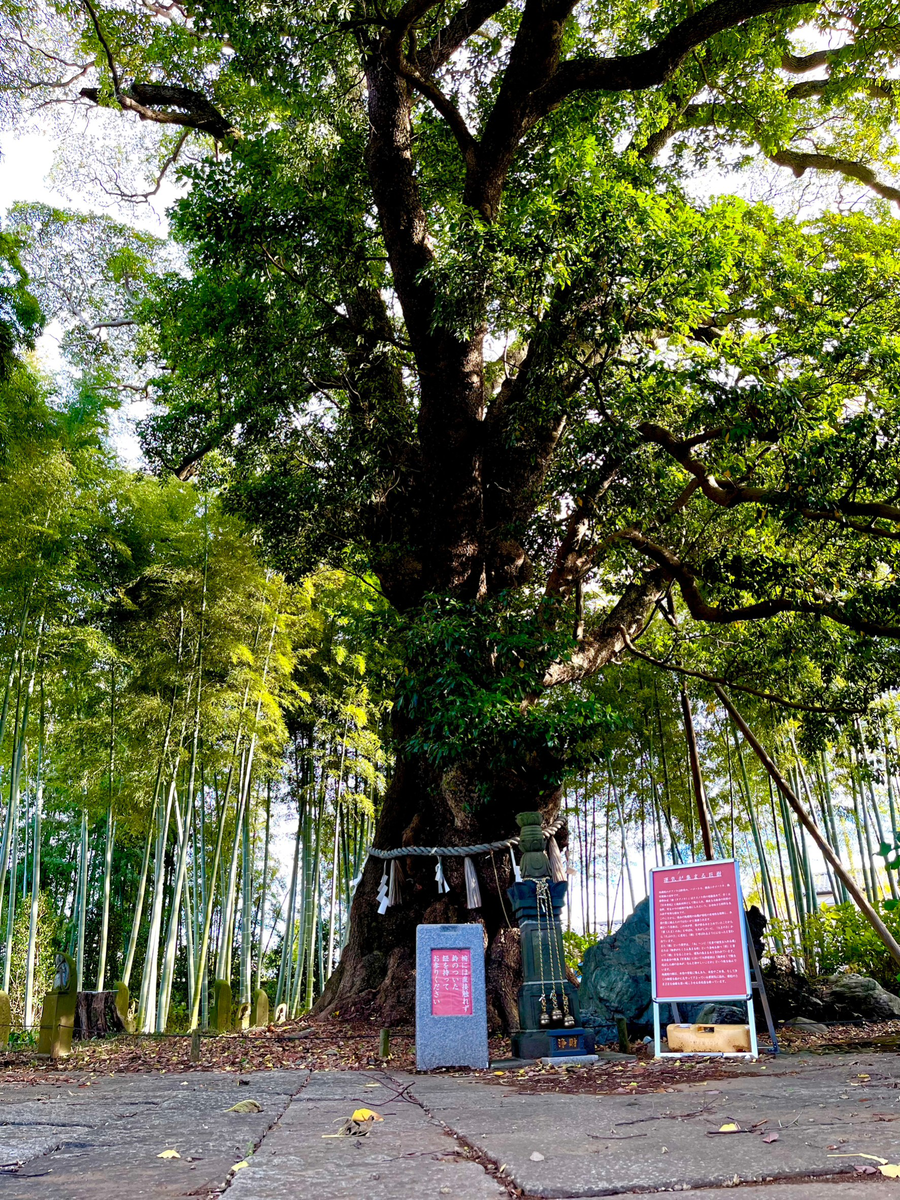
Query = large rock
x=861 y=996
x=615 y=977
x=721 y=1014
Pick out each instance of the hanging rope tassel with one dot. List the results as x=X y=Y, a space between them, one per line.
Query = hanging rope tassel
x=383 y=892
x=442 y=884
x=557 y=866
x=473 y=891
x=515 y=866
x=394 y=885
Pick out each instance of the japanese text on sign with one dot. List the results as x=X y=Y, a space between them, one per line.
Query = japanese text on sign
x=451 y=983
x=698 y=933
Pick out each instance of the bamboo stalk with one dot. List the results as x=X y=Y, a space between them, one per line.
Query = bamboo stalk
x=809 y=824
x=34 y=912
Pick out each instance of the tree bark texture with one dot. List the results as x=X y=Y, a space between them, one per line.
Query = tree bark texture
x=96 y=1015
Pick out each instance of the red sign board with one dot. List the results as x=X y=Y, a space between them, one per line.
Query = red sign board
x=451 y=983
x=698 y=932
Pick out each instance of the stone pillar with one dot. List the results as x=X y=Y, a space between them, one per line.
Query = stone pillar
x=259 y=1013
x=5 y=1020
x=123 y=1003
x=58 y=1013
x=220 y=1009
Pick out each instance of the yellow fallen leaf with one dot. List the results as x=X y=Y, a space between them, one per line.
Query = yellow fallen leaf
x=240 y=1166
x=892 y=1170
x=169 y=1154
x=365 y=1114
x=729 y=1128
x=245 y=1106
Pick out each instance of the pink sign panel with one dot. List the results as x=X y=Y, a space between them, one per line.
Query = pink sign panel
x=451 y=983
x=698 y=933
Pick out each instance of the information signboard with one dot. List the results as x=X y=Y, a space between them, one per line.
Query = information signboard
x=698 y=936
x=451 y=982
x=699 y=940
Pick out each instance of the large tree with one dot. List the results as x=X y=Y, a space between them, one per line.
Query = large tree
x=460 y=316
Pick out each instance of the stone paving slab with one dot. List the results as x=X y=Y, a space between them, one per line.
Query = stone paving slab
x=796 y=1191
x=611 y=1145
x=100 y=1142
x=407 y=1155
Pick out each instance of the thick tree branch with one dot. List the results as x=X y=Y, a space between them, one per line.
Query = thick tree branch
x=799 y=64
x=649 y=68
x=728 y=494
x=601 y=644
x=572 y=558
x=458 y=29
x=187 y=107
x=799 y=162
x=700 y=610
x=535 y=81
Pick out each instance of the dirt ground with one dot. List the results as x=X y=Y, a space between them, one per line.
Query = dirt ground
x=338 y=1044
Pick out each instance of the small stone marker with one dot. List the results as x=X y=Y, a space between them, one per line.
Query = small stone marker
x=58 y=1013
x=5 y=1020
x=259 y=1013
x=220 y=1009
x=123 y=1003
x=451 y=1008
x=280 y=1014
x=244 y=1015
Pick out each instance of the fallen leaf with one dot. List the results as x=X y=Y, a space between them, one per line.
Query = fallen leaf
x=863 y=1169
x=245 y=1106
x=771 y=1137
x=240 y=1166
x=892 y=1170
x=365 y=1114
x=537 y=1157
x=169 y=1154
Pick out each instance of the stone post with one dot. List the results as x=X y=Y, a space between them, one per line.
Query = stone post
x=220 y=1009
x=5 y=1020
x=58 y=1013
x=259 y=1014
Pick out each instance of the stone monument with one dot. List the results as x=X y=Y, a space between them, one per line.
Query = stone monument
x=451 y=1004
x=220 y=1009
x=259 y=1012
x=123 y=1006
x=58 y=1013
x=5 y=1020
x=549 y=1022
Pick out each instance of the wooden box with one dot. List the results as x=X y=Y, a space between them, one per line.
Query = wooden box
x=708 y=1039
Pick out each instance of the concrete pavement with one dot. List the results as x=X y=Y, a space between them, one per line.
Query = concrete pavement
x=466 y=1137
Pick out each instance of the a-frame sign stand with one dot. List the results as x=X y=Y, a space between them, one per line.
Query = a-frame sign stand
x=757 y=982
x=711 y=918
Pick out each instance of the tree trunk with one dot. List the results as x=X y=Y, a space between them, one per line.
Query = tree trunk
x=96 y=1015
x=424 y=807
